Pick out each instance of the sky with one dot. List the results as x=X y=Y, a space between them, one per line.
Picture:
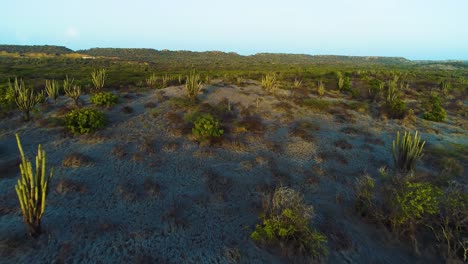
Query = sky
x=414 y=29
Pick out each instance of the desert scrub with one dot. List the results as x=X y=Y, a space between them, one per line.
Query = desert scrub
x=406 y=151
x=206 y=127
x=25 y=98
x=433 y=109
x=82 y=121
x=107 y=99
x=32 y=189
x=285 y=223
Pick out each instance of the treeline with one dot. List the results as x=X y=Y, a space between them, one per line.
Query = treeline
x=58 y=50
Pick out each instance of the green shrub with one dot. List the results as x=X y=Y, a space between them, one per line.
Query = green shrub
x=104 y=99
x=434 y=110
x=412 y=203
x=406 y=151
x=7 y=97
x=396 y=108
x=286 y=223
x=205 y=127
x=82 y=121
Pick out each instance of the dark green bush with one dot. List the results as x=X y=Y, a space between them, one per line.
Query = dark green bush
x=286 y=223
x=205 y=127
x=82 y=121
x=434 y=110
x=104 y=99
x=397 y=108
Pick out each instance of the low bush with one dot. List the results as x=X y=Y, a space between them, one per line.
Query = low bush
x=82 y=121
x=107 y=99
x=286 y=224
x=206 y=127
x=434 y=110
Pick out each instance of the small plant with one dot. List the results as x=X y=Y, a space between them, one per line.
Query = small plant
x=206 y=127
x=269 y=82
x=286 y=223
x=67 y=83
x=52 y=89
x=406 y=151
x=32 y=189
x=25 y=98
x=193 y=85
x=7 y=97
x=340 y=80
x=98 y=77
x=82 y=121
x=397 y=108
x=320 y=89
x=434 y=110
x=107 y=99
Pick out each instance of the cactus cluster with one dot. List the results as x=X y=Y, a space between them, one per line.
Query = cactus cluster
x=269 y=82
x=406 y=151
x=52 y=89
x=193 y=85
x=25 y=98
x=32 y=189
x=98 y=77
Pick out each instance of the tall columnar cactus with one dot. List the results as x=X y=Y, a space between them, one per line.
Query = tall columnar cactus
x=193 y=85
x=98 y=78
x=25 y=98
x=32 y=189
x=52 y=89
x=406 y=151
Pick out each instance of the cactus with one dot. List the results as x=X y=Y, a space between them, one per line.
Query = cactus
x=25 y=98
x=406 y=151
x=320 y=89
x=151 y=81
x=269 y=82
x=73 y=91
x=32 y=189
x=165 y=80
x=98 y=77
x=193 y=85
x=52 y=89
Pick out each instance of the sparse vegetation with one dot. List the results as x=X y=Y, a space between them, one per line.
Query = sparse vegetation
x=32 y=189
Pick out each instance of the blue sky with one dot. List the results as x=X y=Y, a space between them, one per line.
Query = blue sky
x=415 y=29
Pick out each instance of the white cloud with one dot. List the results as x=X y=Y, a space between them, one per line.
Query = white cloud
x=72 y=32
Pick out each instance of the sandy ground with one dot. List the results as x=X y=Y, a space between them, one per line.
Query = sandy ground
x=147 y=193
